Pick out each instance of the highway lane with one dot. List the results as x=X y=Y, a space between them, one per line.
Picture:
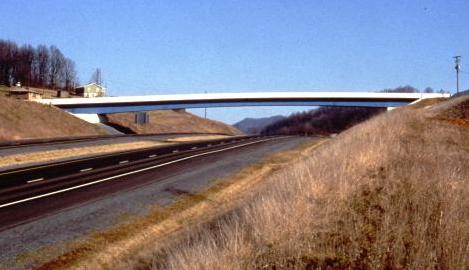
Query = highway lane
x=66 y=216
x=49 y=180
x=31 y=176
x=19 y=197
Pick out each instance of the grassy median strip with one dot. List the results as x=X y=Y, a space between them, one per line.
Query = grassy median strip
x=127 y=241
x=75 y=152
x=198 y=138
x=52 y=155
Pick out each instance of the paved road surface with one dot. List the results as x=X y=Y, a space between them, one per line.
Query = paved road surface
x=58 y=219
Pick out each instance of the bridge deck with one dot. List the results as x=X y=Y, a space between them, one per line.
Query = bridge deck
x=155 y=102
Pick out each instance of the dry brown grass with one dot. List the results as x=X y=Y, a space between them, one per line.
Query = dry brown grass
x=456 y=111
x=52 y=155
x=390 y=193
x=169 y=121
x=28 y=120
x=197 y=138
x=130 y=243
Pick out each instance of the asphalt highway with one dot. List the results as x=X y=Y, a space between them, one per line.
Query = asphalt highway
x=31 y=192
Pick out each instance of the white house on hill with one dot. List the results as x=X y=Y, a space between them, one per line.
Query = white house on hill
x=90 y=90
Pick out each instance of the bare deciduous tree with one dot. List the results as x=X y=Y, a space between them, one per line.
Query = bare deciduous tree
x=42 y=62
x=402 y=89
x=57 y=64
x=25 y=59
x=8 y=53
x=70 y=75
x=97 y=77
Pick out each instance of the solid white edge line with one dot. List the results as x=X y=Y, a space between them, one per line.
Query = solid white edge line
x=128 y=173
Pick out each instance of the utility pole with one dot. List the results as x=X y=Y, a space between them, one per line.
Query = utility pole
x=98 y=76
x=457 y=61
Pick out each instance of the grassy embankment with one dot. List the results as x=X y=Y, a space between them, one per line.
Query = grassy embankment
x=390 y=193
x=29 y=120
x=169 y=121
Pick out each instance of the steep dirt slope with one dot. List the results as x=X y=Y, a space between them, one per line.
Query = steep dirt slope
x=28 y=120
x=169 y=121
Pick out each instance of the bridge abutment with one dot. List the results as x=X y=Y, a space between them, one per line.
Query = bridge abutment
x=92 y=118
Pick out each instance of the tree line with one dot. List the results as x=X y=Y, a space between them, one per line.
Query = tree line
x=323 y=121
x=40 y=66
x=408 y=89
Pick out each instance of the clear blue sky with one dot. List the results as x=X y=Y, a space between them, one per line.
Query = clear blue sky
x=162 y=47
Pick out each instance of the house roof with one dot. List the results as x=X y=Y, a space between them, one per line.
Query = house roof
x=91 y=84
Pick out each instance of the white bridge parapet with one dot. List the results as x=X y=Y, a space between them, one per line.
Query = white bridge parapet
x=242 y=96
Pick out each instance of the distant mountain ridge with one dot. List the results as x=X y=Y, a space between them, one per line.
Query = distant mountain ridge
x=256 y=125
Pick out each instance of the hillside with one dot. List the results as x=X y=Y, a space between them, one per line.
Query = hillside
x=169 y=121
x=256 y=125
x=322 y=121
x=389 y=193
x=30 y=120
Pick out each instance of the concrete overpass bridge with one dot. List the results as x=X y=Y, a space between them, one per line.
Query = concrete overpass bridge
x=89 y=109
